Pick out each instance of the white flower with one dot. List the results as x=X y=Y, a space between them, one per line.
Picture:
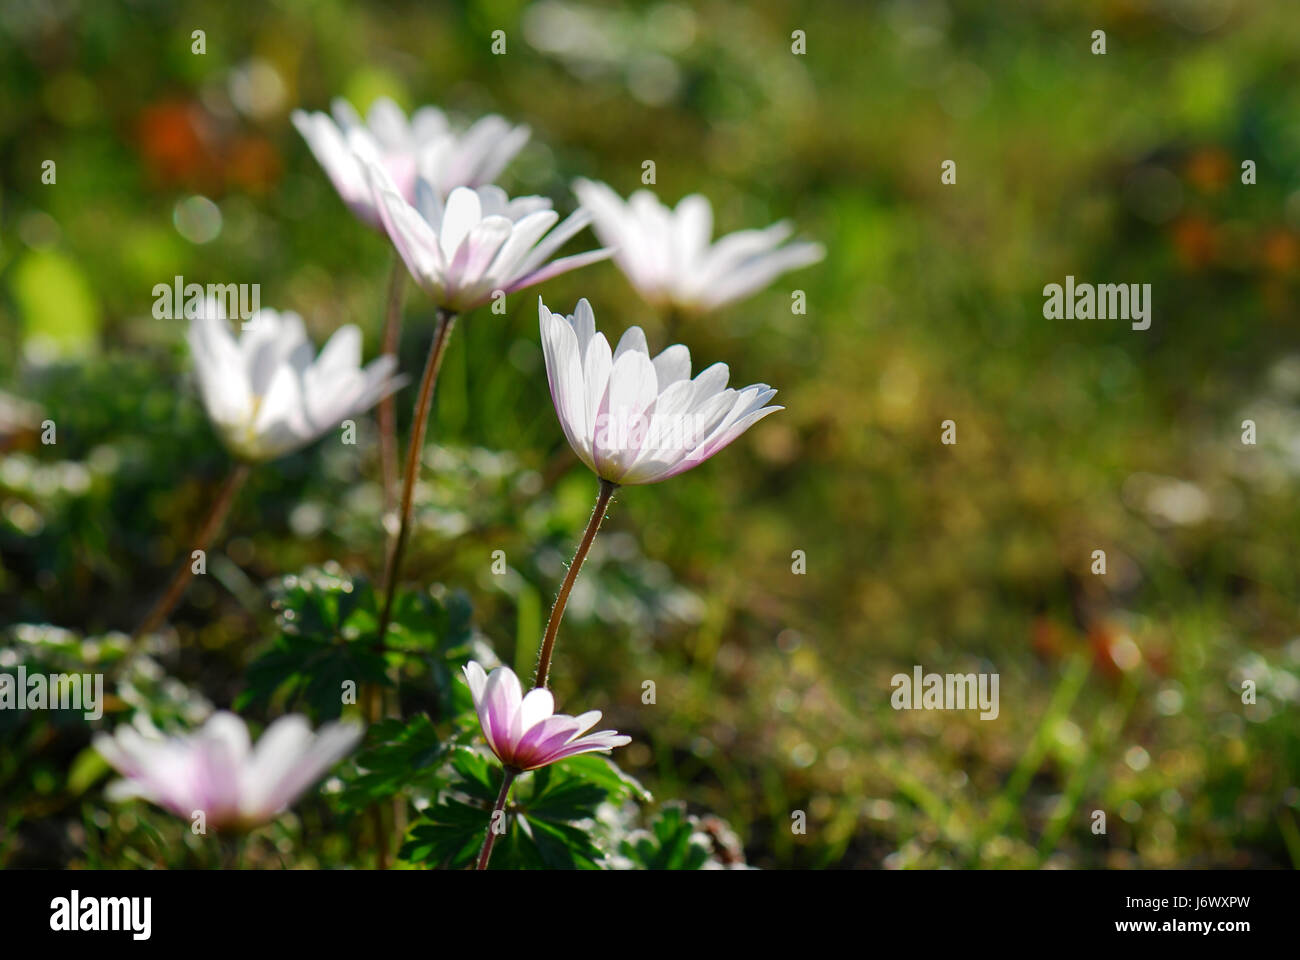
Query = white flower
x=264 y=393
x=632 y=419
x=478 y=242
x=668 y=257
x=217 y=771
x=425 y=146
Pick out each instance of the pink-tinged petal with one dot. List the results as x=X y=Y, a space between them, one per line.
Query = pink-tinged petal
x=725 y=437
x=412 y=237
x=537 y=747
x=585 y=721
x=501 y=700
x=329 y=146
x=523 y=238
x=333 y=742
x=477 y=251
x=756 y=274
x=735 y=249
x=217 y=772
x=218 y=754
x=601 y=742
x=555 y=268
x=557 y=238
x=126 y=751
x=282 y=745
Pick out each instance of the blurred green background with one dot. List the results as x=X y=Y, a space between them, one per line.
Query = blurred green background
x=1119 y=693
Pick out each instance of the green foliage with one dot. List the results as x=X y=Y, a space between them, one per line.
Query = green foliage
x=551 y=816
x=671 y=843
x=398 y=755
x=327 y=623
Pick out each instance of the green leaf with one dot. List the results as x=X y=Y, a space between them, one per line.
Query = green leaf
x=397 y=755
x=600 y=770
x=448 y=834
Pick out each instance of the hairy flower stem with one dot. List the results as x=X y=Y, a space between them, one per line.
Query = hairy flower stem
x=185 y=570
x=607 y=489
x=442 y=333
x=387 y=406
x=486 y=853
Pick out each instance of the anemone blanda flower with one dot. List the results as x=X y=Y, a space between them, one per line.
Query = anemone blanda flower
x=633 y=419
x=266 y=394
x=524 y=731
x=426 y=145
x=216 y=769
x=669 y=258
x=480 y=241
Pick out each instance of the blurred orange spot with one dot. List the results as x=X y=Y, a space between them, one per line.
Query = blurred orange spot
x=184 y=145
x=1208 y=169
x=1195 y=242
x=172 y=143
x=253 y=164
x=1114 y=652
x=1281 y=251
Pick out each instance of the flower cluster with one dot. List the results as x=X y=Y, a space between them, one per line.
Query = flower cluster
x=630 y=416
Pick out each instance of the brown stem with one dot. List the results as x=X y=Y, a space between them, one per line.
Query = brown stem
x=181 y=578
x=387 y=406
x=486 y=853
x=446 y=320
x=607 y=489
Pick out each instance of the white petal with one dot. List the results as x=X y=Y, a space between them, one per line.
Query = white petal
x=633 y=339
x=672 y=365
x=462 y=214
x=537 y=705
